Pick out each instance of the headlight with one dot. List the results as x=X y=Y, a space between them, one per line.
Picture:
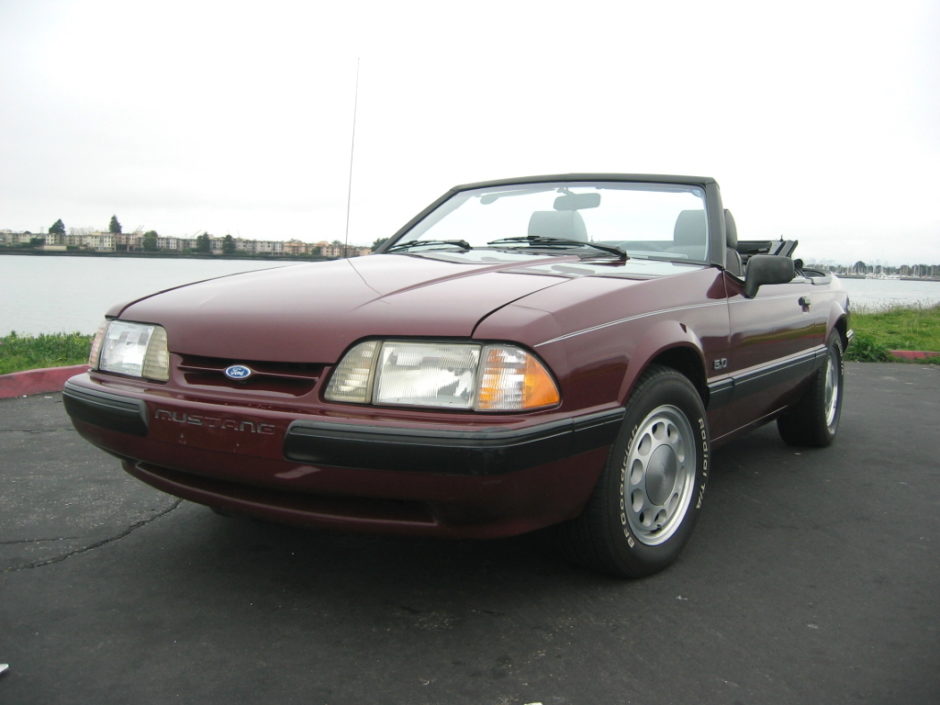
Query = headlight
x=426 y=374
x=491 y=377
x=136 y=349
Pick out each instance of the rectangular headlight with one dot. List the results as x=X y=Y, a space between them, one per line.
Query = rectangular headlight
x=482 y=377
x=136 y=349
x=427 y=374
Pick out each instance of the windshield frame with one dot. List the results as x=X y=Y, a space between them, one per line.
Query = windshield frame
x=456 y=196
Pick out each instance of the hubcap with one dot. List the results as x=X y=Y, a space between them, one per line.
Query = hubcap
x=659 y=474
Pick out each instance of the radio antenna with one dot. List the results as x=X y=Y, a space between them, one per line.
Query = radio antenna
x=352 y=151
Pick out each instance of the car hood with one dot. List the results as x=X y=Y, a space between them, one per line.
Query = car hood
x=313 y=312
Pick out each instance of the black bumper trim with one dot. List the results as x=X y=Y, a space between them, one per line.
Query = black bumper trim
x=490 y=451
x=111 y=411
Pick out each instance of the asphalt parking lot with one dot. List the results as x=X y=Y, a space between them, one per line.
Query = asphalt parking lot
x=813 y=577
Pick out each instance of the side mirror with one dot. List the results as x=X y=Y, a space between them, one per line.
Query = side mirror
x=766 y=269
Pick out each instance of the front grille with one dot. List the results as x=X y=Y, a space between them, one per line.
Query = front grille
x=294 y=378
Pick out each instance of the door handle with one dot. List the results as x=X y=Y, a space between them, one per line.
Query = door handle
x=805 y=303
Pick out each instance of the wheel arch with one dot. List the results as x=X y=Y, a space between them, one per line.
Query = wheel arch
x=685 y=359
x=841 y=326
x=688 y=362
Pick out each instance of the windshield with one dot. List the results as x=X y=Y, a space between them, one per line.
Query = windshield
x=646 y=220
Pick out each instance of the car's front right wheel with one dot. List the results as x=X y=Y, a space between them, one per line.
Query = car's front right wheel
x=648 y=497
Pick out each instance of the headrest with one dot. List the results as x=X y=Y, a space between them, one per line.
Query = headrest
x=562 y=224
x=731 y=231
x=690 y=228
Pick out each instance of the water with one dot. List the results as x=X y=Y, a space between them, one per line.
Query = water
x=65 y=294
x=60 y=294
x=877 y=294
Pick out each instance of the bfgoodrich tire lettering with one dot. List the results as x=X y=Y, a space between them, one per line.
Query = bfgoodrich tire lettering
x=815 y=418
x=648 y=498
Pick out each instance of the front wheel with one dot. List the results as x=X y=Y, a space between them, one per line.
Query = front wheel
x=815 y=418
x=646 y=501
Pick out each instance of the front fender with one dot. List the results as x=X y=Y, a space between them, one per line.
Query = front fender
x=669 y=342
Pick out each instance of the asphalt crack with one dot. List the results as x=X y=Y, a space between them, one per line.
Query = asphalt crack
x=17 y=542
x=98 y=544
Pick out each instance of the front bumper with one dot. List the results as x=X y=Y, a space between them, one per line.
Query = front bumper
x=112 y=411
x=477 y=453
x=425 y=478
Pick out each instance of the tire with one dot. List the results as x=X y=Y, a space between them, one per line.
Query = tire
x=814 y=420
x=646 y=502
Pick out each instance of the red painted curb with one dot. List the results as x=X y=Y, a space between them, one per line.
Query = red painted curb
x=47 y=379
x=912 y=354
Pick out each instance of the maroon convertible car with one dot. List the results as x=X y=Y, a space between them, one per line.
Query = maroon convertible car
x=554 y=350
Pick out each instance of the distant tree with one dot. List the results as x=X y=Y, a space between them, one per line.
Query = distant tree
x=114 y=227
x=859 y=267
x=228 y=245
x=37 y=241
x=377 y=243
x=58 y=228
x=204 y=243
x=150 y=241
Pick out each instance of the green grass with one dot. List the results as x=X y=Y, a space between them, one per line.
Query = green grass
x=916 y=328
x=54 y=350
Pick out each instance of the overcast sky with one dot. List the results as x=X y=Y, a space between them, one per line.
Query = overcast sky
x=820 y=120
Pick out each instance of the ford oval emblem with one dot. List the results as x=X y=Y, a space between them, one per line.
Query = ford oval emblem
x=238 y=372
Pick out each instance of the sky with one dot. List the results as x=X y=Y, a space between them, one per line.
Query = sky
x=820 y=120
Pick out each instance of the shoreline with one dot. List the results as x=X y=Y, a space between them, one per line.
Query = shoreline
x=167 y=255
x=886 y=279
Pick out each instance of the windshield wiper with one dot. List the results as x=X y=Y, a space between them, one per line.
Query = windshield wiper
x=542 y=241
x=462 y=244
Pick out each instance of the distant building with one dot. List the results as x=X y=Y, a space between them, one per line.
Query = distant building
x=15 y=239
x=296 y=248
x=80 y=239
x=269 y=247
x=330 y=249
x=128 y=242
